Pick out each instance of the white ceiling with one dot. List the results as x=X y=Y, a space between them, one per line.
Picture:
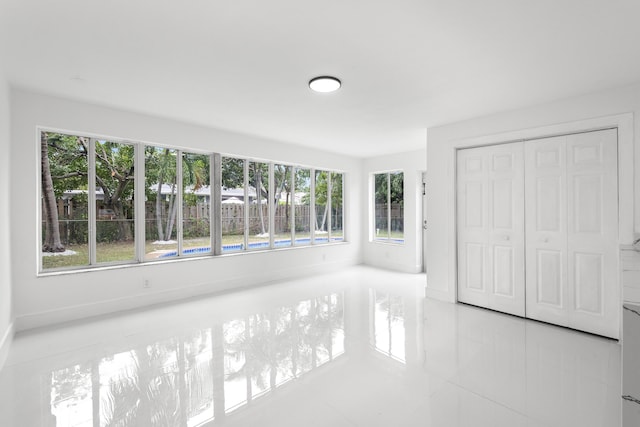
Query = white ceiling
x=244 y=65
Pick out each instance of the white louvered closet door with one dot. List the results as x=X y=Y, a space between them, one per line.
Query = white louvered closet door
x=490 y=210
x=572 y=231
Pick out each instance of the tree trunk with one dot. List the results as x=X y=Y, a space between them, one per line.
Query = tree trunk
x=159 y=197
x=324 y=216
x=173 y=211
x=259 y=198
x=52 y=242
x=286 y=211
x=124 y=228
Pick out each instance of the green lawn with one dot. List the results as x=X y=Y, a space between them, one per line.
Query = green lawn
x=125 y=251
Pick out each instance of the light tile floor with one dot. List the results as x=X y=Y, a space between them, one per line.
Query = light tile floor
x=360 y=347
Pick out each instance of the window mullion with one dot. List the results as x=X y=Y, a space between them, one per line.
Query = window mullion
x=312 y=207
x=388 y=206
x=329 y=211
x=272 y=205
x=343 y=217
x=215 y=208
x=292 y=220
x=91 y=200
x=140 y=197
x=246 y=203
x=179 y=195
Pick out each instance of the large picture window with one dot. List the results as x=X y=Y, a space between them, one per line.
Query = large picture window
x=161 y=185
x=195 y=233
x=65 y=209
x=108 y=202
x=388 y=209
x=115 y=179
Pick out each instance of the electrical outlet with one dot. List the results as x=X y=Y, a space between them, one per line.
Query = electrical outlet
x=146 y=283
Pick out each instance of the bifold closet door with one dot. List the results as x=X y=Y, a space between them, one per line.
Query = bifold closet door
x=490 y=210
x=572 y=231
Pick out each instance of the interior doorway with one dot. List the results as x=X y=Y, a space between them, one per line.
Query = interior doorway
x=424 y=221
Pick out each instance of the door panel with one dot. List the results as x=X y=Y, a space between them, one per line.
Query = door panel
x=572 y=231
x=475 y=266
x=550 y=278
x=546 y=230
x=490 y=227
x=503 y=274
x=589 y=282
x=592 y=240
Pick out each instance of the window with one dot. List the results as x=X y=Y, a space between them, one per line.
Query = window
x=161 y=185
x=92 y=190
x=321 y=233
x=195 y=233
x=388 y=207
x=259 y=208
x=115 y=179
x=65 y=209
x=284 y=205
x=328 y=210
x=336 y=218
x=233 y=204
x=302 y=212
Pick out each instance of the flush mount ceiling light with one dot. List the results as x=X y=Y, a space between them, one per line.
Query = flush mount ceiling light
x=324 y=84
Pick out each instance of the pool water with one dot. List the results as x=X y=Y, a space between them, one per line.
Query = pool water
x=253 y=245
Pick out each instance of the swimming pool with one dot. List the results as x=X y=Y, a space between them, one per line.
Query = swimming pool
x=252 y=245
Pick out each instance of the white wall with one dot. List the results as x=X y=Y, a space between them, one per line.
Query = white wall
x=6 y=329
x=408 y=256
x=535 y=121
x=57 y=298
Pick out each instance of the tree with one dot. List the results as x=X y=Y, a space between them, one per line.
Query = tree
x=321 y=192
x=115 y=176
x=232 y=172
x=65 y=163
x=160 y=168
x=52 y=242
x=257 y=173
x=321 y=197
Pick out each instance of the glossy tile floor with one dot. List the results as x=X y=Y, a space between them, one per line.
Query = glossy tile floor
x=361 y=347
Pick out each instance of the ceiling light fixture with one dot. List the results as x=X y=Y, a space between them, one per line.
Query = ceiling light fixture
x=324 y=84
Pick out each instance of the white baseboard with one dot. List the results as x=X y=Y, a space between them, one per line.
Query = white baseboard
x=142 y=300
x=5 y=343
x=631 y=294
x=438 y=295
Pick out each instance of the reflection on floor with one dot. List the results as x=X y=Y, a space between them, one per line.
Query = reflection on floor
x=360 y=347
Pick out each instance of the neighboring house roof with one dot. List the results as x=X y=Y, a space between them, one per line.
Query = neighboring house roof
x=70 y=194
x=204 y=191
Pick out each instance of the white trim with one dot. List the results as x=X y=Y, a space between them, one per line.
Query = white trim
x=215 y=221
x=312 y=206
x=140 y=208
x=329 y=207
x=292 y=216
x=626 y=179
x=92 y=226
x=247 y=204
x=272 y=206
x=5 y=343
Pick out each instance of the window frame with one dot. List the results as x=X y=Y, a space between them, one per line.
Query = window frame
x=215 y=220
x=388 y=240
